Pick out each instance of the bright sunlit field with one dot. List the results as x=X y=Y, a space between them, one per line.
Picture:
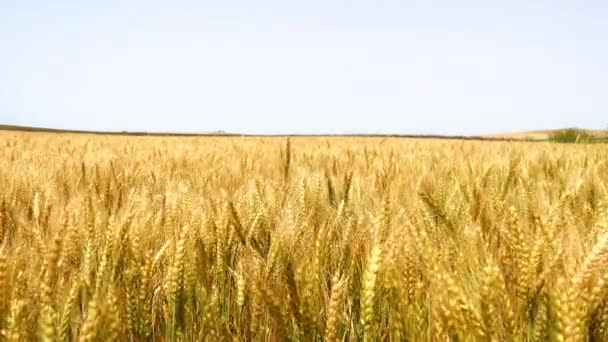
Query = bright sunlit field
x=264 y=239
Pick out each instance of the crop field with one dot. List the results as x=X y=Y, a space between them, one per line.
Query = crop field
x=124 y=238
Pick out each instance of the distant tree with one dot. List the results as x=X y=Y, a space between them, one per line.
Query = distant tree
x=572 y=135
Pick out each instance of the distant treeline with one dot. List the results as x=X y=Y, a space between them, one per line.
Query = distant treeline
x=53 y=130
x=221 y=134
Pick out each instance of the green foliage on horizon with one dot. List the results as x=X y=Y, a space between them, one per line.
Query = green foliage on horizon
x=575 y=135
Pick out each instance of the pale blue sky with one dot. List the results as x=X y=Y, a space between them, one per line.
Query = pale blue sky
x=448 y=67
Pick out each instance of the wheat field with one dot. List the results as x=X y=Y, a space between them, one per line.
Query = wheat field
x=309 y=239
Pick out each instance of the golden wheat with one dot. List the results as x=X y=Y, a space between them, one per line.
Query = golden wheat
x=230 y=238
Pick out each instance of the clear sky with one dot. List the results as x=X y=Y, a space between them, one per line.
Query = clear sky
x=315 y=66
